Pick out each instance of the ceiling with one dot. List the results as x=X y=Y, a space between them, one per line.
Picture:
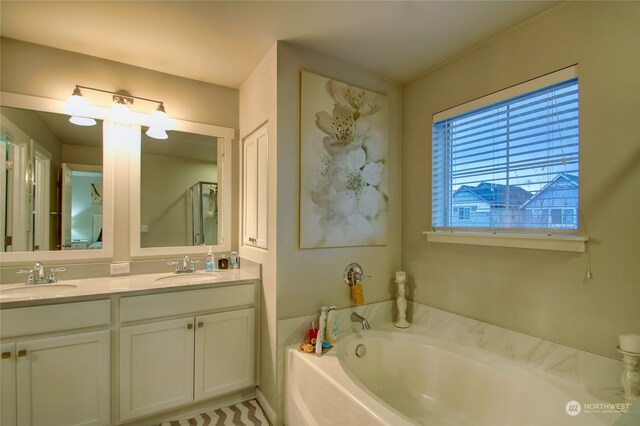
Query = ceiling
x=221 y=42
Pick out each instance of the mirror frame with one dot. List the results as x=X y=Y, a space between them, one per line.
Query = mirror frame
x=35 y=103
x=225 y=137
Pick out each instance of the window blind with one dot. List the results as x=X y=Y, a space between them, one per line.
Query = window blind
x=512 y=164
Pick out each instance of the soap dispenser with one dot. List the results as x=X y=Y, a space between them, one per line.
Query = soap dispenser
x=209 y=264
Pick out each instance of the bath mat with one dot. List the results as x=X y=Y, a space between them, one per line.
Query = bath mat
x=246 y=413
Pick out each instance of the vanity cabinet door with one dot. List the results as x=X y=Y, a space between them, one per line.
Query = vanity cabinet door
x=156 y=367
x=256 y=189
x=63 y=380
x=8 y=385
x=224 y=357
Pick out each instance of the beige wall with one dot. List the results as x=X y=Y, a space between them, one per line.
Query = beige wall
x=258 y=104
x=300 y=281
x=163 y=197
x=310 y=278
x=538 y=292
x=36 y=70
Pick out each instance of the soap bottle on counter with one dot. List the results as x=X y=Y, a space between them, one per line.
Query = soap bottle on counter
x=331 y=333
x=209 y=264
x=321 y=329
x=233 y=261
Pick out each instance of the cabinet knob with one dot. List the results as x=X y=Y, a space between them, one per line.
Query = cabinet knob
x=22 y=352
x=200 y=324
x=6 y=355
x=189 y=326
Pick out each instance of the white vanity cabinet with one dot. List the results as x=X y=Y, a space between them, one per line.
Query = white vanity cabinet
x=185 y=346
x=156 y=367
x=224 y=354
x=8 y=402
x=256 y=189
x=62 y=378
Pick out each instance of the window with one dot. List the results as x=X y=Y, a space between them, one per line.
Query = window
x=563 y=217
x=464 y=213
x=514 y=156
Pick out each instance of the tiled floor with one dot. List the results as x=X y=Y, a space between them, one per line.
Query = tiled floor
x=247 y=413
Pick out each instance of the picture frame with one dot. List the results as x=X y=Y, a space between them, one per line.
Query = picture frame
x=344 y=138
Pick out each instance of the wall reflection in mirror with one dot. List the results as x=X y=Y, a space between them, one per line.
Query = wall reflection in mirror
x=51 y=182
x=179 y=191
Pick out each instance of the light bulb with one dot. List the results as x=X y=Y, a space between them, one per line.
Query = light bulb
x=159 y=119
x=156 y=133
x=82 y=121
x=78 y=108
x=120 y=113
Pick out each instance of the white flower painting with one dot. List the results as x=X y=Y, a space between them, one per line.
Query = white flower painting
x=343 y=170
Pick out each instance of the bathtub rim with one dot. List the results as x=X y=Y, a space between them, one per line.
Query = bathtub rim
x=357 y=393
x=569 y=389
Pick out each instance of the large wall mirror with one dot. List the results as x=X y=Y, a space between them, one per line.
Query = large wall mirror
x=180 y=197
x=52 y=184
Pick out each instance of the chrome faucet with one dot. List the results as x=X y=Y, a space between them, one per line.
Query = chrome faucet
x=185 y=267
x=37 y=275
x=38 y=272
x=355 y=317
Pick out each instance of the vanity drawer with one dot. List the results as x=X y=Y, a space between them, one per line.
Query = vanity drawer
x=48 y=318
x=137 y=308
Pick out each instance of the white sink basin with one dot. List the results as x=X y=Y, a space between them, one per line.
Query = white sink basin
x=188 y=278
x=25 y=290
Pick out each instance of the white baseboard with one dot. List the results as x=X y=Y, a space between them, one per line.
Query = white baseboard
x=266 y=407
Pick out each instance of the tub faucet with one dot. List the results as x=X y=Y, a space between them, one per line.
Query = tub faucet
x=355 y=317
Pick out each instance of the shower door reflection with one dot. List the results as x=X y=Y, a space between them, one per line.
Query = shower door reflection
x=202 y=214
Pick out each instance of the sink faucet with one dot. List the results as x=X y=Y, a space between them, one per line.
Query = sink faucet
x=37 y=275
x=355 y=317
x=38 y=272
x=185 y=266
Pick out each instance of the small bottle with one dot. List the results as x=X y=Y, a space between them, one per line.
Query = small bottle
x=209 y=265
x=332 y=326
x=321 y=328
x=234 y=260
x=313 y=334
x=223 y=262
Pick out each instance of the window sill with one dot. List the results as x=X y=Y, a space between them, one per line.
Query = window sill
x=540 y=242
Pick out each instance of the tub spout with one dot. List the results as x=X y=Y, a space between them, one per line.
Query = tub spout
x=355 y=317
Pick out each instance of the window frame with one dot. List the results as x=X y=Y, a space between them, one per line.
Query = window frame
x=556 y=237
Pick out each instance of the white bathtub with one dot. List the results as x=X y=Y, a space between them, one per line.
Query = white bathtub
x=408 y=379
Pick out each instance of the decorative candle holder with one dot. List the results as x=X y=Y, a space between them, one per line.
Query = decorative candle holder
x=631 y=375
x=401 y=301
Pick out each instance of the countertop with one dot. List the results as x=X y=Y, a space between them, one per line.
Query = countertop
x=18 y=295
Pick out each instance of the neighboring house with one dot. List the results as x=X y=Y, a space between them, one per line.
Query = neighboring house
x=555 y=205
x=488 y=205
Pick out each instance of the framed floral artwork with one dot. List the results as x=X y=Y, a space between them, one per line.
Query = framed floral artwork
x=344 y=132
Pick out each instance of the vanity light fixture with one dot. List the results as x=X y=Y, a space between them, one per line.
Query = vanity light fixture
x=120 y=109
x=79 y=109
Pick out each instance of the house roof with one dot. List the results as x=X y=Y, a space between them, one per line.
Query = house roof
x=572 y=179
x=496 y=194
